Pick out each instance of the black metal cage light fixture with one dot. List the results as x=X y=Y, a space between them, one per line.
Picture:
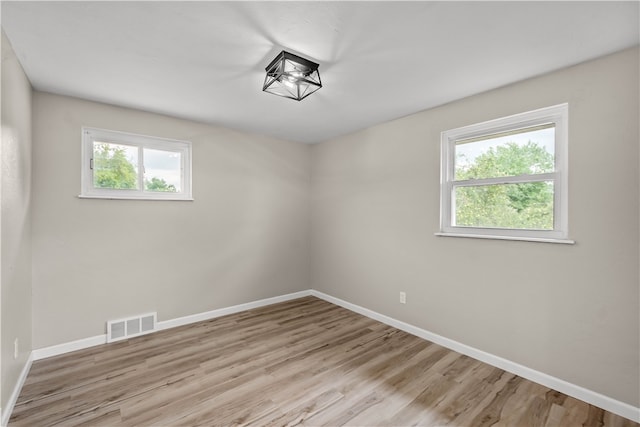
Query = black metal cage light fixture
x=291 y=76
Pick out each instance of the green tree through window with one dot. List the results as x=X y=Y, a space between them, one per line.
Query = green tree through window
x=517 y=205
x=112 y=168
x=159 y=184
x=120 y=165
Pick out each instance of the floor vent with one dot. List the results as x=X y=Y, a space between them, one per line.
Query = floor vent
x=131 y=327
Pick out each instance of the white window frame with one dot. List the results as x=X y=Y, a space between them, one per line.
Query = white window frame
x=559 y=116
x=90 y=135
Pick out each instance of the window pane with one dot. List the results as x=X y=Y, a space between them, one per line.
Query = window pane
x=520 y=206
x=115 y=166
x=520 y=152
x=162 y=171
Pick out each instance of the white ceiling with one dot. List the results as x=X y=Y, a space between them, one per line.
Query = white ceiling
x=378 y=60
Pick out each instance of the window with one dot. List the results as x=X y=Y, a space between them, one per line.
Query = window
x=507 y=178
x=118 y=165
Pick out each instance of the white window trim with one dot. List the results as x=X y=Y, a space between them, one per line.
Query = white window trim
x=87 y=190
x=559 y=115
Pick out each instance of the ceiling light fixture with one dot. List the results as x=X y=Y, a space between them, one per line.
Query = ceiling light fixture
x=291 y=76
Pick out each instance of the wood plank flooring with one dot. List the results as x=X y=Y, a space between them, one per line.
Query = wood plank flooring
x=302 y=362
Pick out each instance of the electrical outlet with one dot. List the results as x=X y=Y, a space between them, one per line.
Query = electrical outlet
x=403 y=298
x=15 y=348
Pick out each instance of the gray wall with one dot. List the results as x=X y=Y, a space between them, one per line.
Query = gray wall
x=244 y=238
x=15 y=227
x=569 y=311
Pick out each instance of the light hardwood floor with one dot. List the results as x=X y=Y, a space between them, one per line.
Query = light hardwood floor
x=304 y=362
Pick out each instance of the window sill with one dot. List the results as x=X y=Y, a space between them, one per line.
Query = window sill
x=110 y=197
x=520 y=238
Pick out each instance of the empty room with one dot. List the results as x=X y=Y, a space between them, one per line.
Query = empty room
x=320 y=213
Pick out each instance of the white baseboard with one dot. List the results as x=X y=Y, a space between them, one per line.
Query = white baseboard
x=80 y=344
x=586 y=395
x=6 y=414
x=589 y=396
x=55 y=350
x=166 y=324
